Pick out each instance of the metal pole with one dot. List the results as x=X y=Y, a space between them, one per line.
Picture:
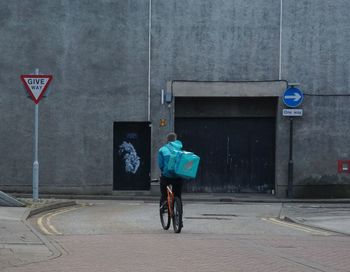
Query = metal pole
x=36 y=161
x=290 y=162
x=149 y=58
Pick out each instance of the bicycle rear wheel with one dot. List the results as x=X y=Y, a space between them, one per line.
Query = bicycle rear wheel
x=177 y=216
x=164 y=214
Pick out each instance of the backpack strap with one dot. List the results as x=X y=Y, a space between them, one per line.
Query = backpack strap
x=171 y=149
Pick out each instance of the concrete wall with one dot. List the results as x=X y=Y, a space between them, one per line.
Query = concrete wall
x=315 y=53
x=205 y=40
x=316 y=46
x=98 y=54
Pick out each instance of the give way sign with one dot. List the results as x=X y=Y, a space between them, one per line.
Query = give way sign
x=36 y=85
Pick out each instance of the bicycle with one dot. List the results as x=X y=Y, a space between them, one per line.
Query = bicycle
x=169 y=210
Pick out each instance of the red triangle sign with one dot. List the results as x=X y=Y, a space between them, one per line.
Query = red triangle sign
x=36 y=85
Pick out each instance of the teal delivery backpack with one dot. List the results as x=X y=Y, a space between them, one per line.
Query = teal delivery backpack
x=173 y=156
x=186 y=165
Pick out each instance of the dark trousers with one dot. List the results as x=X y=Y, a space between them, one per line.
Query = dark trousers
x=175 y=182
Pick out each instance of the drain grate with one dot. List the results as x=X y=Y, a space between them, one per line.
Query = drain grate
x=207 y=218
x=218 y=214
x=213 y=216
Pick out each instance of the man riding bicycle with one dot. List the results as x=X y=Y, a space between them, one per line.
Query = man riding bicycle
x=167 y=178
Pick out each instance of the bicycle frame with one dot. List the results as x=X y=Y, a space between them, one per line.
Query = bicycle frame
x=171 y=210
x=170 y=200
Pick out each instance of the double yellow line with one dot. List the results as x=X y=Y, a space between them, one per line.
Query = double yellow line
x=298 y=227
x=44 y=221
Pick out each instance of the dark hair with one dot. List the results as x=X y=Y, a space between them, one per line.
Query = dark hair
x=171 y=137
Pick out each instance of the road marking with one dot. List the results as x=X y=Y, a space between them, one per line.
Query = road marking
x=298 y=227
x=44 y=222
x=41 y=225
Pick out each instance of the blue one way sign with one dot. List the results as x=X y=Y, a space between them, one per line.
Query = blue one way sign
x=293 y=97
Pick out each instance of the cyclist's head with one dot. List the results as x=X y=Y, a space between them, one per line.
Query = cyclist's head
x=171 y=137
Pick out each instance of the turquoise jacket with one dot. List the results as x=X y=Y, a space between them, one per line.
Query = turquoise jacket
x=164 y=154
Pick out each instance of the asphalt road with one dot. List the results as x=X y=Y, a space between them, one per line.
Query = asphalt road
x=108 y=217
x=127 y=236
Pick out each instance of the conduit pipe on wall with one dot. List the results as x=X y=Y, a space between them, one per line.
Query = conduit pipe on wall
x=280 y=45
x=149 y=60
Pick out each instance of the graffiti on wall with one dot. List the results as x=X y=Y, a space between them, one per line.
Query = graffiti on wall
x=130 y=158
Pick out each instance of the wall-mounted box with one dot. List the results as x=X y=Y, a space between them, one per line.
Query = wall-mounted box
x=343 y=166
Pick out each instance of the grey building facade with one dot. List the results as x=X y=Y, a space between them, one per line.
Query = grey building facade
x=220 y=61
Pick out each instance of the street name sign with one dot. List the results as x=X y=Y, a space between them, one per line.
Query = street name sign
x=292 y=112
x=36 y=85
x=293 y=97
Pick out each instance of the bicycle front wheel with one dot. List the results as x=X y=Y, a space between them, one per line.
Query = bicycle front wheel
x=164 y=214
x=177 y=215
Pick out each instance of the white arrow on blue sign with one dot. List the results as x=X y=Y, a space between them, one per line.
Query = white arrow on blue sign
x=293 y=97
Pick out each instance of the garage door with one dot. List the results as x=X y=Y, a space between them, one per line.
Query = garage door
x=237 y=154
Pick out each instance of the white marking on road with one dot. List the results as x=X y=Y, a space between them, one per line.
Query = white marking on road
x=298 y=227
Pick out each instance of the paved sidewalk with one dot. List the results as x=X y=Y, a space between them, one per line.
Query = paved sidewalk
x=20 y=243
x=328 y=216
x=340 y=224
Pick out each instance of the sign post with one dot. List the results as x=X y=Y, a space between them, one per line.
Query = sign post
x=290 y=161
x=292 y=97
x=36 y=143
x=36 y=85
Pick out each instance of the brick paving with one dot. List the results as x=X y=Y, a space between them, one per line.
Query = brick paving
x=197 y=252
